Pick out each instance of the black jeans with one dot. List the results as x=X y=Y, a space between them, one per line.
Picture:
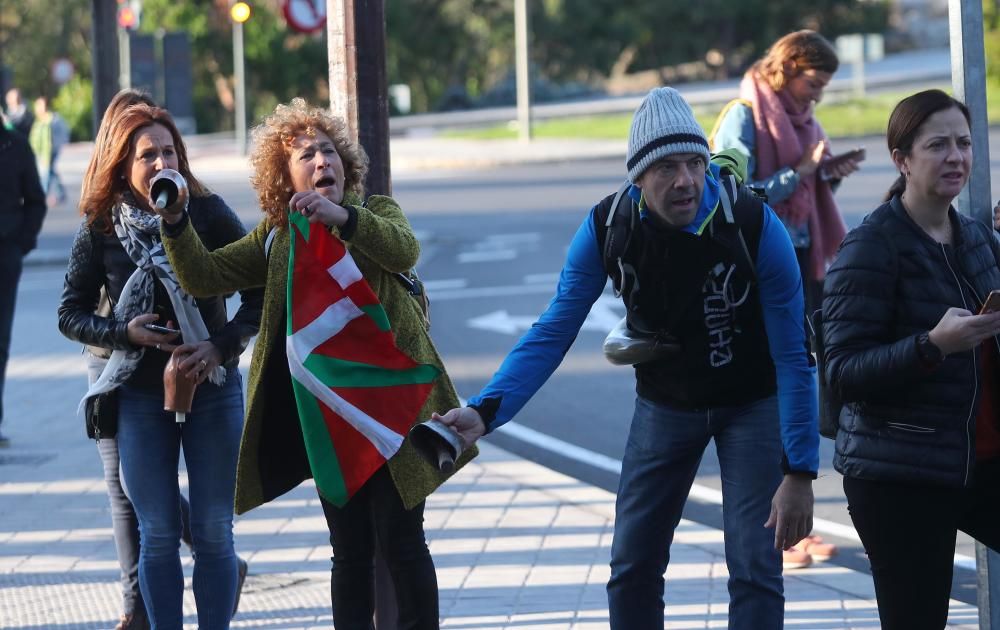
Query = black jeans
x=376 y=515
x=11 y=262
x=908 y=532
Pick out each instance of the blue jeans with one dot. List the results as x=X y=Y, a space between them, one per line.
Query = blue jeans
x=149 y=445
x=664 y=449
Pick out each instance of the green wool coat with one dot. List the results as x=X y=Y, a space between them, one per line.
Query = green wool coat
x=382 y=245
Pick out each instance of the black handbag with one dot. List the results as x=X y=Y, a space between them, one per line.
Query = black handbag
x=101 y=414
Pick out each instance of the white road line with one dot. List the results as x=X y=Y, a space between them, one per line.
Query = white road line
x=437 y=285
x=703 y=493
x=547 y=278
x=487 y=255
x=465 y=294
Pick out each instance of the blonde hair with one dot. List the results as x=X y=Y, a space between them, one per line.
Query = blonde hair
x=272 y=141
x=792 y=55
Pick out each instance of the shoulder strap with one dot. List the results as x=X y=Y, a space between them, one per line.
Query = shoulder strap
x=618 y=235
x=269 y=241
x=738 y=200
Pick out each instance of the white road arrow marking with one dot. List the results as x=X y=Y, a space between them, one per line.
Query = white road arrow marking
x=602 y=318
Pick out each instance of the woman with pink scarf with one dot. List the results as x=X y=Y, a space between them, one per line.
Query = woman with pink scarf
x=789 y=154
x=789 y=158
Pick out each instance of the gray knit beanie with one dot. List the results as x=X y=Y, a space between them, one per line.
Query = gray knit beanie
x=663 y=125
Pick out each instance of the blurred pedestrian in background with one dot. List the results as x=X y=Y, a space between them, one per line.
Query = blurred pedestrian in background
x=48 y=135
x=18 y=113
x=772 y=123
x=22 y=210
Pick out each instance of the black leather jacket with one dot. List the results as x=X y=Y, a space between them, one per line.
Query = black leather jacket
x=98 y=260
x=905 y=420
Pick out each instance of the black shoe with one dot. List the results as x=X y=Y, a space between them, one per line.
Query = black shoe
x=4 y=441
x=241 y=578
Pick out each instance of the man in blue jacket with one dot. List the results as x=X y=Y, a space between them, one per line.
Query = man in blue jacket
x=721 y=281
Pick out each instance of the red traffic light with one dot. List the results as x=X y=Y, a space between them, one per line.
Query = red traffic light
x=127 y=18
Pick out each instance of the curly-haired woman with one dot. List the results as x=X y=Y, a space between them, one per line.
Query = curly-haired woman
x=119 y=248
x=304 y=162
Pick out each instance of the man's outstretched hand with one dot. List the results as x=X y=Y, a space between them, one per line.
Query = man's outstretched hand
x=465 y=421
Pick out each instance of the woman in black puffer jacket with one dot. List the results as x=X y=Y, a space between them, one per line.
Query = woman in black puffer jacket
x=918 y=441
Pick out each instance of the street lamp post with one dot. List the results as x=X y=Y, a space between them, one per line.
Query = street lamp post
x=240 y=12
x=522 y=29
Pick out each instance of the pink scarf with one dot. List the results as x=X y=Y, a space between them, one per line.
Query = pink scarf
x=782 y=136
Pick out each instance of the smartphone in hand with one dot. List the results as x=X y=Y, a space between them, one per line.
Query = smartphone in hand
x=992 y=303
x=854 y=155
x=163 y=330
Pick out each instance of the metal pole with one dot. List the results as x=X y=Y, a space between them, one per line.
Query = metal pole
x=124 y=58
x=968 y=72
x=359 y=95
x=523 y=70
x=103 y=55
x=241 y=93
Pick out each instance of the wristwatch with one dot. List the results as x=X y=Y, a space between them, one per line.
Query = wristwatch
x=929 y=353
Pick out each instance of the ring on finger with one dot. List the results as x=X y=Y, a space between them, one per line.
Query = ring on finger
x=158 y=346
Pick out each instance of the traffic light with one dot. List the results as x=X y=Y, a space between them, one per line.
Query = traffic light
x=240 y=12
x=129 y=12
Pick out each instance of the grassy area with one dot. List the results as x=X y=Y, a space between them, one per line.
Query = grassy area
x=840 y=118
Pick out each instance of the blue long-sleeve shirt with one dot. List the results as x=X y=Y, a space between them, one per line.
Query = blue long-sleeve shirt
x=581 y=282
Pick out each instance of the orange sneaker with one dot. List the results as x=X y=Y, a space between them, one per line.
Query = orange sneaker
x=816 y=548
x=795 y=558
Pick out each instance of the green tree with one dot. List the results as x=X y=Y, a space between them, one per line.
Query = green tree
x=32 y=36
x=991 y=36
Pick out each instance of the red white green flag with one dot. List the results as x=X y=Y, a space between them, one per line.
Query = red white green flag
x=357 y=393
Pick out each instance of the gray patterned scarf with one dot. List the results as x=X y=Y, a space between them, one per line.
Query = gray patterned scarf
x=139 y=233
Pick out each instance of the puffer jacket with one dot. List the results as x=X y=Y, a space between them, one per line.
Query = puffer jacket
x=98 y=260
x=904 y=420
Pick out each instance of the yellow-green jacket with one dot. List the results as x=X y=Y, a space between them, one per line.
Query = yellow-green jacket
x=272 y=460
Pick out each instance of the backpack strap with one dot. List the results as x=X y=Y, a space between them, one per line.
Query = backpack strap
x=618 y=235
x=733 y=200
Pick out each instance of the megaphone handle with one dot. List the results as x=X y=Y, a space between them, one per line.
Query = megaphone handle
x=162 y=199
x=446 y=463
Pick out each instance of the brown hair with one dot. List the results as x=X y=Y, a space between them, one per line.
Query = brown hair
x=792 y=55
x=121 y=100
x=272 y=141
x=908 y=118
x=103 y=181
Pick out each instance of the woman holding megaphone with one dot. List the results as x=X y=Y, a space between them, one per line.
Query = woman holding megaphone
x=118 y=248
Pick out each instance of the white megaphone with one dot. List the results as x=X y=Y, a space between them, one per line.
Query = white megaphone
x=167 y=189
x=437 y=444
